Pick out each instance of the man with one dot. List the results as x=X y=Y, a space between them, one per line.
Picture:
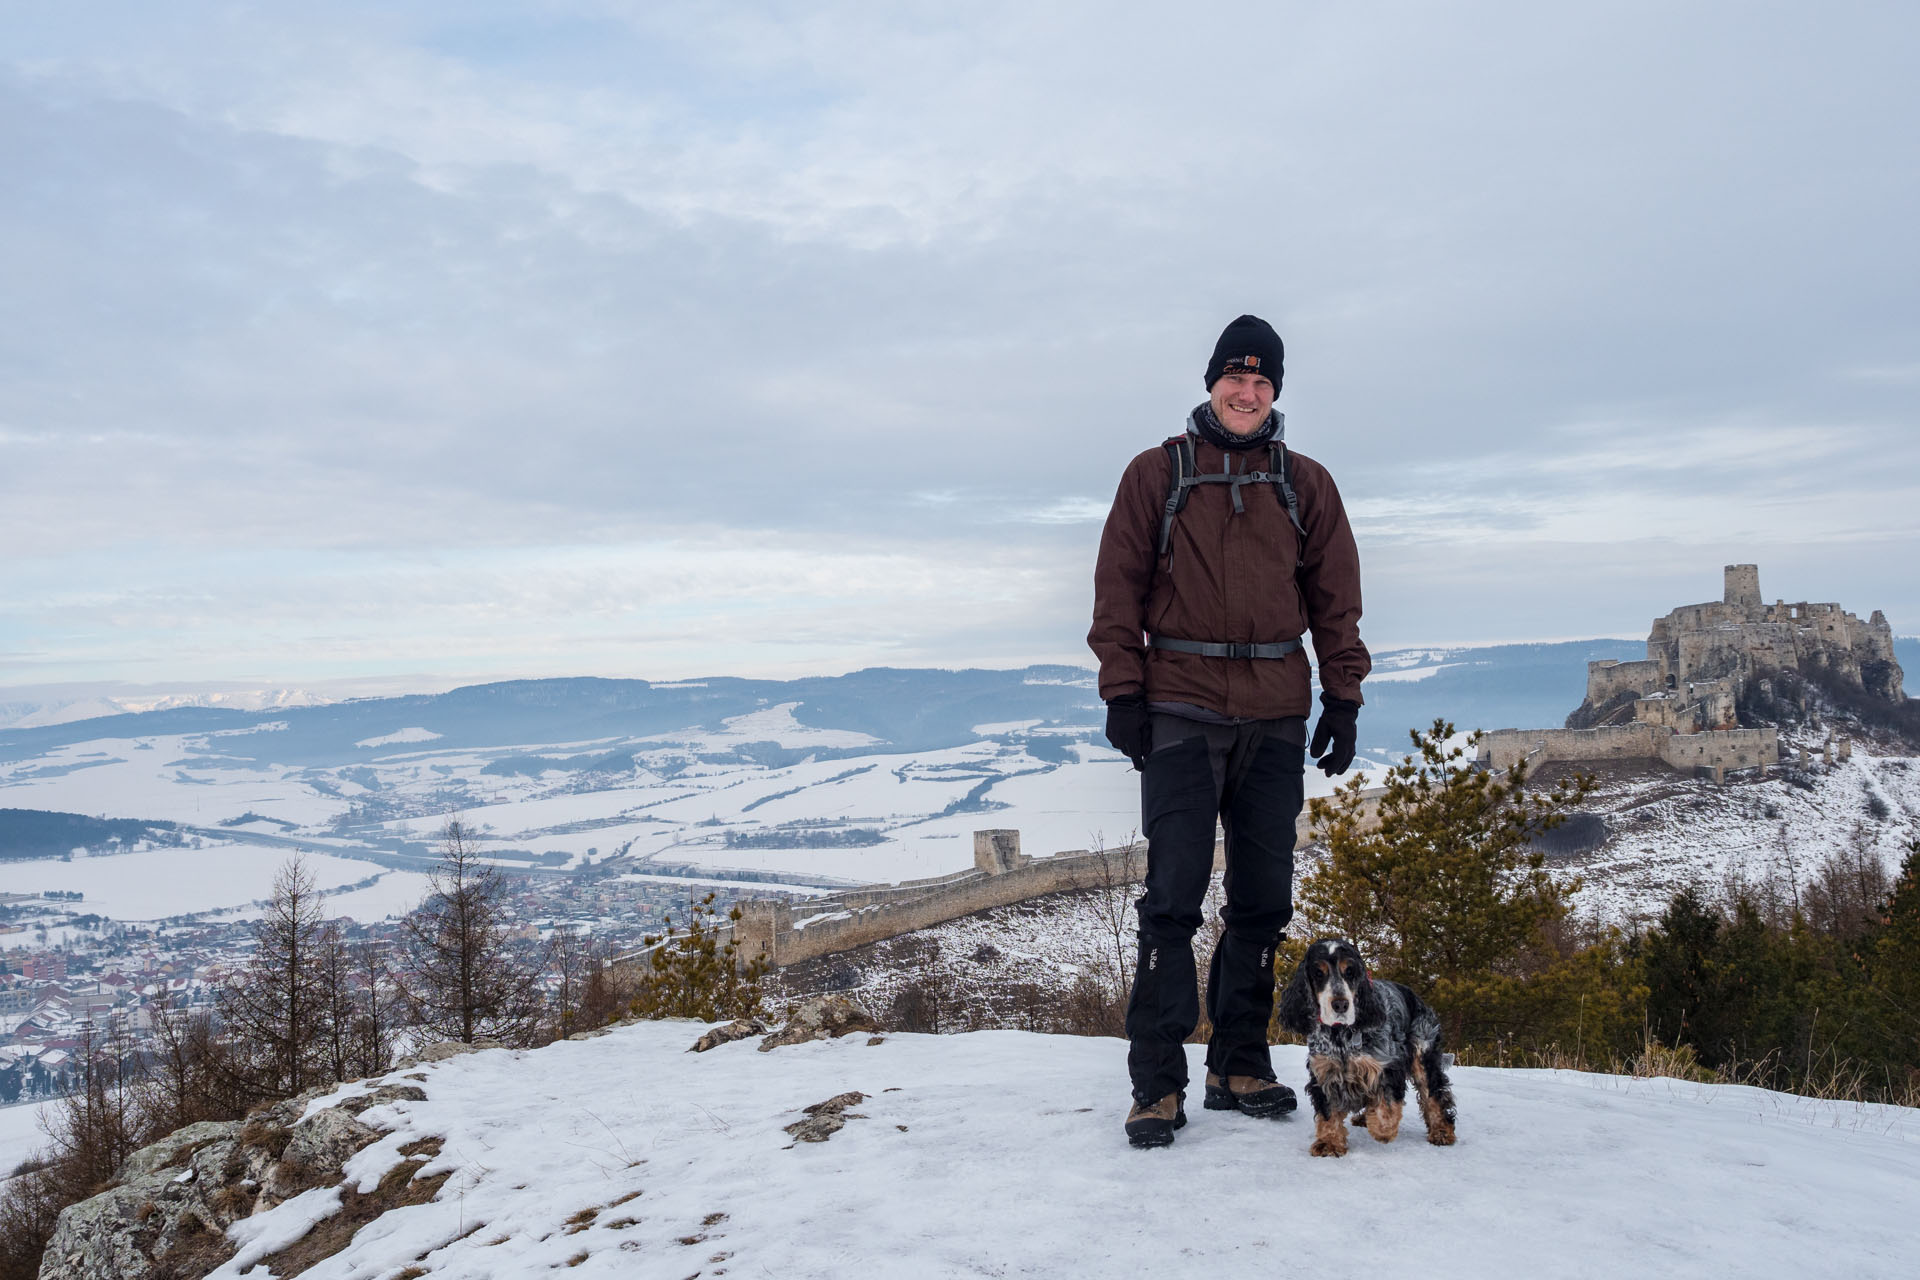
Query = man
x=1201 y=595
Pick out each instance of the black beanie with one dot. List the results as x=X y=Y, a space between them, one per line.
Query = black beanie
x=1248 y=345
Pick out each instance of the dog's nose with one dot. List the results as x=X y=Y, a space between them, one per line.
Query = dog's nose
x=1339 y=1004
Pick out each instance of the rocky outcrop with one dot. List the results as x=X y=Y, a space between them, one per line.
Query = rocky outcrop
x=738 y=1029
x=820 y=1018
x=824 y=1119
x=168 y=1212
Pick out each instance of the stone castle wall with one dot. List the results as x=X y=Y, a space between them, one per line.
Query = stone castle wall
x=1607 y=679
x=774 y=929
x=1701 y=659
x=1739 y=638
x=1716 y=752
x=788 y=932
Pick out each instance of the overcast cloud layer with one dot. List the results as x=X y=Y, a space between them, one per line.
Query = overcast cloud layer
x=659 y=340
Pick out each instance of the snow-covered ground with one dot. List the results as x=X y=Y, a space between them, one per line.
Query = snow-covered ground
x=1000 y=1153
x=1669 y=831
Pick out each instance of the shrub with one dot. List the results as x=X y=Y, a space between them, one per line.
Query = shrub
x=694 y=975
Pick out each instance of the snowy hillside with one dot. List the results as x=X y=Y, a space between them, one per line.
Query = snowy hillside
x=1000 y=1153
x=1665 y=831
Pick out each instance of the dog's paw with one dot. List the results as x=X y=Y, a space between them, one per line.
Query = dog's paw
x=1322 y=1147
x=1441 y=1136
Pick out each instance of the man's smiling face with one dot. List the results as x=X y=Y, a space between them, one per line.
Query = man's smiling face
x=1241 y=402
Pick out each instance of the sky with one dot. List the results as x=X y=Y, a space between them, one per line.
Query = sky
x=652 y=339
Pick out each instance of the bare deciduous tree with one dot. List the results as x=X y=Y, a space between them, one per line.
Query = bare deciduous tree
x=334 y=972
x=462 y=980
x=276 y=1008
x=1109 y=904
x=374 y=1010
x=572 y=962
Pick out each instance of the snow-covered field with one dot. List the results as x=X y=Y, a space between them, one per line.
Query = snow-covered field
x=716 y=799
x=20 y=1134
x=1000 y=1153
x=156 y=883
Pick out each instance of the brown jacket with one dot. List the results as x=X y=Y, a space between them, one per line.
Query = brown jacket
x=1229 y=577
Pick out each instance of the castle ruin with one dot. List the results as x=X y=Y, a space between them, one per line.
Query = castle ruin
x=1680 y=704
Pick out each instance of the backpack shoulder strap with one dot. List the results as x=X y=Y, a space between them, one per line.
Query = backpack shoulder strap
x=1283 y=477
x=1179 y=482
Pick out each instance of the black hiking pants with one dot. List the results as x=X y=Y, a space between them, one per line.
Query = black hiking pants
x=1250 y=777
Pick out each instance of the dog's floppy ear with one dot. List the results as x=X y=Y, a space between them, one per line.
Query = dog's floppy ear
x=1296 y=1003
x=1367 y=1002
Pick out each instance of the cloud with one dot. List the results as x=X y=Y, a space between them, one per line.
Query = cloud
x=507 y=286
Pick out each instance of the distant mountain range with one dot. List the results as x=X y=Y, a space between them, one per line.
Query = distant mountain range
x=1497 y=686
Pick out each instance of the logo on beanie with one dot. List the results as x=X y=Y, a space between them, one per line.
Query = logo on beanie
x=1248 y=362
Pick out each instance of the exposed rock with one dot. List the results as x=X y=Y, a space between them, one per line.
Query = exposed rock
x=441 y=1050
x=173 y=1150
x=824 y=1119
x=384 y=1094
x=169 y=1210
x=820 y=1018
x=738 y=1029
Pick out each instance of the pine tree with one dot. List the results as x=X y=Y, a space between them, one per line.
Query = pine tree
x=462 y=980
x=1444 y=883
x=1440 y=886
x=693 y=975
x=1892 y=958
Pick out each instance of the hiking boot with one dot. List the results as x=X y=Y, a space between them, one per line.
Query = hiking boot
x=1151 y=1124
x=1249 y=1095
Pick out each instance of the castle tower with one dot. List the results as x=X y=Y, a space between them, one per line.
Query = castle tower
x=1743 y=589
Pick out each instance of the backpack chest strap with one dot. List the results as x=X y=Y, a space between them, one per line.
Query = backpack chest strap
x=1186 y=475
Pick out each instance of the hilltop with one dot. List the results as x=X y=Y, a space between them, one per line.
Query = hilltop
x=1000 y=1153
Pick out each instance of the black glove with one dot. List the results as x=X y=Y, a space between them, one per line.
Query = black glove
x=1333 y=737
x=1130 y=729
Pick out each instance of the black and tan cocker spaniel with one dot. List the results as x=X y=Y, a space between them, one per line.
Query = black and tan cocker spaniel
x=1366 y=1037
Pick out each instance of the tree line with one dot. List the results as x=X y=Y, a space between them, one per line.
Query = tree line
x=1804 y=979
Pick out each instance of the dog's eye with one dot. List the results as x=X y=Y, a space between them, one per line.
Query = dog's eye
x=1321 y=965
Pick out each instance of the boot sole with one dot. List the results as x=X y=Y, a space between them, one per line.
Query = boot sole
x=1156 y=1133
x=1219 y=1099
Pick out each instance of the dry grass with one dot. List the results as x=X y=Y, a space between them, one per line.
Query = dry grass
x=1827 y=1077
x=398 y=1189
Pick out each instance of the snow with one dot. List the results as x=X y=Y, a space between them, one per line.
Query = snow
x=270 y=1233
x=1668 y=832
x=159 y=780
x=1672 y=830
x=1000 y=1153
x=776 y=724
x=412 y=734
x=392 y=895
x=1408 y=675
x=20 y=1133
x=169 y=882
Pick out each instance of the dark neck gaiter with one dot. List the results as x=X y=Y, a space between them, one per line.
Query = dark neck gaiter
x=1208 y=425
